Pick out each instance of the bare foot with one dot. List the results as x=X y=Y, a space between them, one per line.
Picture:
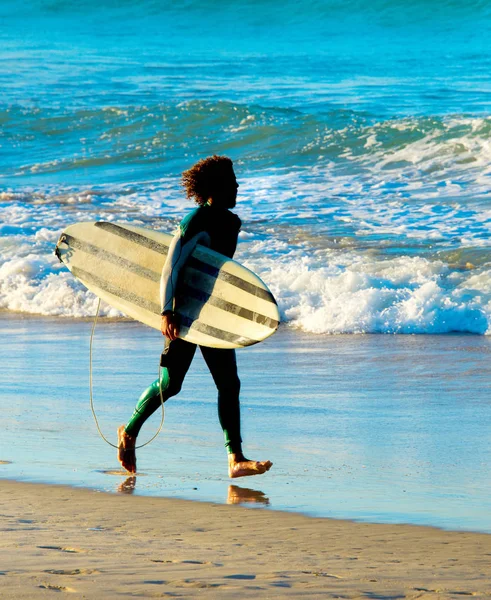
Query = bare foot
x=240 y=466
x=126 y=450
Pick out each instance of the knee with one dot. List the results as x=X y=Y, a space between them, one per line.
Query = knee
x=172 y=389
x=169 y=387
x=229 y=386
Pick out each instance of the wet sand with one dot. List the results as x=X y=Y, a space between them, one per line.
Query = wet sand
x=91 y=544
x=390 y=429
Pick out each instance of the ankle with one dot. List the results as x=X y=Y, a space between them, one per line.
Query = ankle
x=124 y=435
x=236 y=457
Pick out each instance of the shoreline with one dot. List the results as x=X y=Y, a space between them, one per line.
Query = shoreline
x=284 y=326
x=249 y=498
x=371 y=428
x=93 y=544
x=241 y=496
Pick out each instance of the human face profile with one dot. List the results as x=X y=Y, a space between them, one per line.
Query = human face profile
x=226 y=192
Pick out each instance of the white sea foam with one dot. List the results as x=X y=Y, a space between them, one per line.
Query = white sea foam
x=23 y=288
x=342 y=250
x=352 y=294
x=343 y=294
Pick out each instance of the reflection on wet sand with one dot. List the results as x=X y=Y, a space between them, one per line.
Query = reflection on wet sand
x=128 y=485
x=236 y=494
x=239 y=495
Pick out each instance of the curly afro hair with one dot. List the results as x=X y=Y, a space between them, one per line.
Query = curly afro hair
x=204 y=178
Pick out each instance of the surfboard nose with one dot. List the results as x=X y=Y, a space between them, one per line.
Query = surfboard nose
x=58 y=247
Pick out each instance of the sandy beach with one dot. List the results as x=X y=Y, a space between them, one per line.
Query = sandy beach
x=96 y=545
x=381 y=451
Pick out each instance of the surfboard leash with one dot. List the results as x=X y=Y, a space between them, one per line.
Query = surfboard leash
x=62 y=238
x=92 y=398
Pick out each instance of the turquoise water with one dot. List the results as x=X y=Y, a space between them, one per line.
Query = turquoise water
x=360 y=135
x=361 y=138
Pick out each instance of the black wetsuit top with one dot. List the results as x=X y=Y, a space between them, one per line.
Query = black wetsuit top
x=219 y=223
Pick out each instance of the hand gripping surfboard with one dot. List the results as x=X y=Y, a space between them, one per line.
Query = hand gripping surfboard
x=220 y=303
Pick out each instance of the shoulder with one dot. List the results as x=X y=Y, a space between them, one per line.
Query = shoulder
x=192 y=221
x=225 y=220
x=207 y=218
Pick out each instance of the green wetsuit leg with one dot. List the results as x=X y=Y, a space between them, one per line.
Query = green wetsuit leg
x=223 y=368
x=179 y=355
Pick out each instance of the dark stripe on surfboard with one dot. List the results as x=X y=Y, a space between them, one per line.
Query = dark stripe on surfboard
x=240 y=340
x=137 y=238
x=196 y=263
x=198 y=294
x=242 y=284
x=84 y=275
x=202 y=296
x=114 y=259
x=153 y=307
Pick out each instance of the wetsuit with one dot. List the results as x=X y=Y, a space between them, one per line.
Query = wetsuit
x=223 y=227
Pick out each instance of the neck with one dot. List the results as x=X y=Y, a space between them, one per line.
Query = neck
x=215 y=204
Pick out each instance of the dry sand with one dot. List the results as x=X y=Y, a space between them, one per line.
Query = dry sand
x=58 y=540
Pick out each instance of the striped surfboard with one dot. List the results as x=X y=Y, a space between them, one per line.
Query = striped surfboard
x=220 y=303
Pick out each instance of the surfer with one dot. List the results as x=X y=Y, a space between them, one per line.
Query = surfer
x=212 y=184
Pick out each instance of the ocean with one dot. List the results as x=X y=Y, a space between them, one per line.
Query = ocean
x=361 y=139
x=360 y=136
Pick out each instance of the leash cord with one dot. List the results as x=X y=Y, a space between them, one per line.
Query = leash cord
x=92 y=398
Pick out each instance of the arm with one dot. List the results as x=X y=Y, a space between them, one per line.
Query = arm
x=179 y=252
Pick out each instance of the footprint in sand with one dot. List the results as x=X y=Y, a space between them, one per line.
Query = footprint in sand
x=322 y=574
x=185 y=562
x=158 y=560
x=56 y=588
x=457 y=592
x=60 y=549
x=193 y=562
x=191 y=583
x=72 y=571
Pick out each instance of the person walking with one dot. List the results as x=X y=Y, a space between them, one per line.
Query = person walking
x=212 y=184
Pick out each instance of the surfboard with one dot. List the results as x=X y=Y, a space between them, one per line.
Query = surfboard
x=220 y=303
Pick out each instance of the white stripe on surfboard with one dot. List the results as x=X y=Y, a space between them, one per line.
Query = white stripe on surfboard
x=186 y=289
x=153 y=307
x=196 y=263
